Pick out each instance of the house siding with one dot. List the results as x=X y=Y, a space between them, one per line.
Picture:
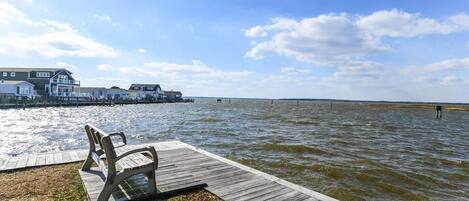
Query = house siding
x=140 y=91
x=39 y=82
x=33 y=74
x=23 y=76
x=39 y=85
x=7 y=88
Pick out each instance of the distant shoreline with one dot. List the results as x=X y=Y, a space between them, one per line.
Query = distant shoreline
x=338 y=100
x=377 y=102
x=372 y=104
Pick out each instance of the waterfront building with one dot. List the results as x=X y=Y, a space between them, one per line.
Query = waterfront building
x=13 y=89
x=116 y=93
x=172 y=95
x=102 y=93
x=53 y=82
x=94 y=93
x=141 y=91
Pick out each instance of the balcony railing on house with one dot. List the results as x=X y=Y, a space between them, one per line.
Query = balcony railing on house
x=65 y=81
x=63 y=94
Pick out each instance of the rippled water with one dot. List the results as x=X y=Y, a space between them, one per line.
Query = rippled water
x=351 y=152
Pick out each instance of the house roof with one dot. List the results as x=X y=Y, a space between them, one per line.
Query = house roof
x=92 y=88
x=173 y=92
x=22 y=69
x=144 y=85
x=14 y=82
x=153 y=86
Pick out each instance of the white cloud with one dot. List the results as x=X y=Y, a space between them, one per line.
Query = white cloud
x=195 y=78
x=357 y=80
x=66 y=66
x=333 y=39
x=53 y=26
x=195 y=69
x=105 y=82
x=460 y=20
x=326 y=39
x=45 y=38
x=256 y=31
x=105 y=18
x=102 y=17
x=141 y=50
x=105 y=67
x=395 y=23
x=9 y=13
x=111 y=79
x=53 y=44
x=360 y=71
x=294 y=71
x=445 y=65
x=450 y=80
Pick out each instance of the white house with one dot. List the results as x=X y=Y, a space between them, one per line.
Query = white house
x=141 y=91
x=117 y=93
x=101 y=93
x=15 y=88
x=96 y=93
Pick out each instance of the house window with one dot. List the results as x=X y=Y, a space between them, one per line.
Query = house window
x=12 y=74
x=23 y=90
x=42 y=74
x=5 y=74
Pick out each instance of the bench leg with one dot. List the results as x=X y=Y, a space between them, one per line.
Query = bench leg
x=151 y=181
x=88 y=162
x=107 y=190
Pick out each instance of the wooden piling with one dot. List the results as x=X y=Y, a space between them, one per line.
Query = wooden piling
x=439 y=111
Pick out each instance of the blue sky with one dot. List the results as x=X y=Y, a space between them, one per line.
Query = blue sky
x=369 y=50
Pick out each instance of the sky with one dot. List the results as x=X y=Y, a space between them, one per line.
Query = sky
x=360 y=50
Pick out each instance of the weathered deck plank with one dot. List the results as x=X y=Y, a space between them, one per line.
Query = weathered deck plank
x=180 y=165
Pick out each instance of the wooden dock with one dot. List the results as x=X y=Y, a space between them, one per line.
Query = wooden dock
x=227 y=179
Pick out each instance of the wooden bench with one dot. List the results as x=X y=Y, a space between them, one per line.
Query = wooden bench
x=120 y=163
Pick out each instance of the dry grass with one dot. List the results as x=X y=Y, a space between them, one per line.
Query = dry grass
x=196 y=196
x=61 y=182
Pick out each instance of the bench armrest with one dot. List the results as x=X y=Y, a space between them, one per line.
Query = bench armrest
x=149 y=149
x=121 y=134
